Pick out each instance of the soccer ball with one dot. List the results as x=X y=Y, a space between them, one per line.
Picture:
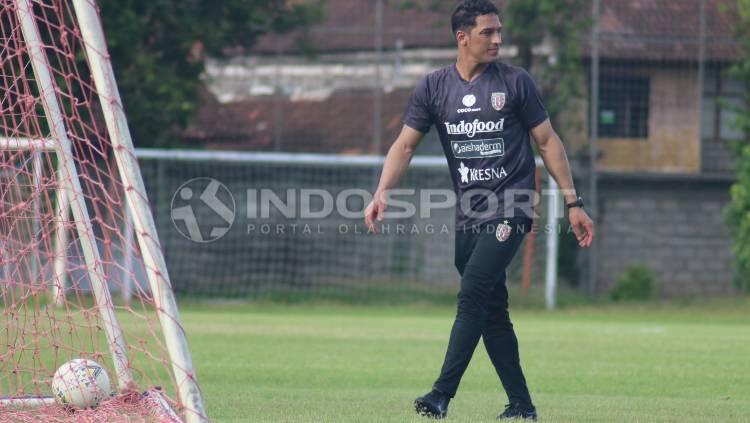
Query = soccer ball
x=80 y=383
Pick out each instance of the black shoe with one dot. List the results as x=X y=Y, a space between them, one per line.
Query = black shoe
x=433 y=405
x=518 y=411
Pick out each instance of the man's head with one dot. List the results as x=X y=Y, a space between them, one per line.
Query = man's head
x=476 y=25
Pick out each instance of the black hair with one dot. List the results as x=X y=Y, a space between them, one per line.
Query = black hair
x=465 y=14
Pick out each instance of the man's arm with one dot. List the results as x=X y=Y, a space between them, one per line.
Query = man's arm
x=395 y=165
x=553 y=153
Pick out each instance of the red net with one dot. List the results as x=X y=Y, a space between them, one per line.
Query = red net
x=65 y=228
x=127 y=407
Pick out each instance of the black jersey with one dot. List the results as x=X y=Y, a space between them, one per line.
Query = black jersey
x=484 y=129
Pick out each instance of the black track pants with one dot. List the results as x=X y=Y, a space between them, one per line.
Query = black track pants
x=481 y=260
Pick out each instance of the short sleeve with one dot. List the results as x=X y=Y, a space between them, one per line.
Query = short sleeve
x=530 y=106
x=418 y=113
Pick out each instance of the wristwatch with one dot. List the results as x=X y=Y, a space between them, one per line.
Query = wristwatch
x=577 y=203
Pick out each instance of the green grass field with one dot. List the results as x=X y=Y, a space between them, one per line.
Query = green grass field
x=318 y=362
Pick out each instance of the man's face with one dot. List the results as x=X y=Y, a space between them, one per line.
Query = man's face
x=484 y=39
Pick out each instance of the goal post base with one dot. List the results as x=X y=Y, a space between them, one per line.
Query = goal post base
x=26 y=402
x=151 y=405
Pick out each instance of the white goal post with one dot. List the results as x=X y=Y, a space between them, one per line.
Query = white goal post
x=135 y=193
x=70 y=199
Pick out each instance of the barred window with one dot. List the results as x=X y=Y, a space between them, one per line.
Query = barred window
x=722 y=97
x=623 y=106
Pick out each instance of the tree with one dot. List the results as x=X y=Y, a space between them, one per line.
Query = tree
x=739 y=209
x=560 y=22
x=158 y=49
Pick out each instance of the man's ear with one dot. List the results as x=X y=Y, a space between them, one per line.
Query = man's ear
x=461 y=37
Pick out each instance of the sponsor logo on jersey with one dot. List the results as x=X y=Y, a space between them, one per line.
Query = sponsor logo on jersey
x=469 y=174
x=498 y=101
x=469 y=109
x=478 y=149
x=469 y=100
x=474 y=127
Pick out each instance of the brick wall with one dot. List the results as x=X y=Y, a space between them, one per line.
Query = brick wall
x=672 y=224
x=716 y=157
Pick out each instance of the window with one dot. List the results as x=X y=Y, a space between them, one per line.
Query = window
x=728 y=128
x=722 y=96
x=623 y=106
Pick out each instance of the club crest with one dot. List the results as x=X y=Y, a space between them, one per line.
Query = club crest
x=503 y=231
x=498 y=101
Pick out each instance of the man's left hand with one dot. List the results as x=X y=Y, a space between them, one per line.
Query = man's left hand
x=582 y=226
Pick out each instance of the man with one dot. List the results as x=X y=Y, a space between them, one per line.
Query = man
x=484 y=111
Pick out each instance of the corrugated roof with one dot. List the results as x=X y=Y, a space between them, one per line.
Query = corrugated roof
x=631 y=29
x=350 y=25
x=339 y=124
x=666 y=30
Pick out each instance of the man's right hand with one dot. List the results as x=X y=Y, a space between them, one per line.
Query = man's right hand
x=396 y=162
x=374 y=211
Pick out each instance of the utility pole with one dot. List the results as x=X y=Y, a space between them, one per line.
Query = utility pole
x=701 y=64
x=377 y=95
x=593 y=141
x=278 y=99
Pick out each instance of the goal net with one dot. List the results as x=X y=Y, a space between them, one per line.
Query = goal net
x=81 y=269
